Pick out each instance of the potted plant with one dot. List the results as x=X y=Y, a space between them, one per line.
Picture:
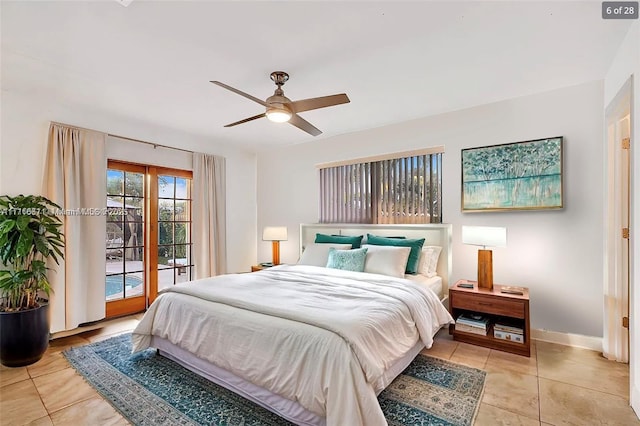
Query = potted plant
x=30 y=233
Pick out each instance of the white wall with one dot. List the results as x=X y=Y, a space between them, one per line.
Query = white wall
x=25 y=122
x=625 y=64
x=557 y=254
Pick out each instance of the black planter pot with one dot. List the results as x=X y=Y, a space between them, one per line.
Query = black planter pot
x=24 y=336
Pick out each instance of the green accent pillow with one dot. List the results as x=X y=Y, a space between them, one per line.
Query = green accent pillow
x=348 y=260
x=340 y=239
x=414 y=255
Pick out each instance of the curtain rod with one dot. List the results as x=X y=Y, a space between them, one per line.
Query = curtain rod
x=155 y=145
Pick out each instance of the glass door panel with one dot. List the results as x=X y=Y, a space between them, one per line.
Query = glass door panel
x=174 y=229
x=125 y=249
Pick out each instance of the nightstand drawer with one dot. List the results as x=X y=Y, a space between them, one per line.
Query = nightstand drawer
x=490 y=305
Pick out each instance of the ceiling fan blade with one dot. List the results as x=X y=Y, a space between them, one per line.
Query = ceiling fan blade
x=321 y=102
x=241 y=93
x=303 y=124
x=255 y=117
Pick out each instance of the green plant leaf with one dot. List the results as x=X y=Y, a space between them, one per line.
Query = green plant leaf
x=25 y=242
x=22 y=222
x=6 y=226
x=41 y=245
x=39 y=269
x=8 y=250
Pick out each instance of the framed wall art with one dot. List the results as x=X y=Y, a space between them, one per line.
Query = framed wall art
x=513 y=176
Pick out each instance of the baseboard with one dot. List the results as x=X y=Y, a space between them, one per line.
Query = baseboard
x=568 y=339
x=92 y=326
x=74 y=331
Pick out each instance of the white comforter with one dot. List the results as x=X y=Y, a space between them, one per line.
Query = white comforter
x=318 y=336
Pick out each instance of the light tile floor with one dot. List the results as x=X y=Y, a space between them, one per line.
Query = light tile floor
x=558 y=385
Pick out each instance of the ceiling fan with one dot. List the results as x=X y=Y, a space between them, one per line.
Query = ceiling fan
x=281 y=109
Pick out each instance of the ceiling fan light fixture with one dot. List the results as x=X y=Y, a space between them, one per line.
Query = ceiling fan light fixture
x=278 y=115
x=280 y=109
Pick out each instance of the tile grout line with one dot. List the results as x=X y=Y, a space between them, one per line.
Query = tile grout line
x=586 y=388
x=40 y=396
x=512 y=412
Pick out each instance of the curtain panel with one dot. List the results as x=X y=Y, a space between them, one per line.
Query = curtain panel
x=75 y=178
x=209 y=215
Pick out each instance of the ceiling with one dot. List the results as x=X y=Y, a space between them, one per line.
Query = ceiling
x=152 y=61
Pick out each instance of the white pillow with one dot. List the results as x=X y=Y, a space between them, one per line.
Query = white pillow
x=429 y=260
x=386 y=260
x=317 y=254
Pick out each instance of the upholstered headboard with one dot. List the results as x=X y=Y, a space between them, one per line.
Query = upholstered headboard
x=434 y=235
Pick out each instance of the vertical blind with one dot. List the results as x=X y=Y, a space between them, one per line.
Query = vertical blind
x=391 y=190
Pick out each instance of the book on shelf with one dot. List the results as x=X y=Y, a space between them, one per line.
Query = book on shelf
x=471 y=329
x=508 y=328
x=473 y=320
x=504 y=335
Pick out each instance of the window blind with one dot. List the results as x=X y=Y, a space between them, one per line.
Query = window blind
x=393 y=190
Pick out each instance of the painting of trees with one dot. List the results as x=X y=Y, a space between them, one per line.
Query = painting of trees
x=523 y=175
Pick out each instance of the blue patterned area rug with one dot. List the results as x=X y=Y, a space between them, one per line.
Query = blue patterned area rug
x=148 y=389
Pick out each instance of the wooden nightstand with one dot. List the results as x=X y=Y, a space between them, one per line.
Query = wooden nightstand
x=498 y=307
x=256 y=268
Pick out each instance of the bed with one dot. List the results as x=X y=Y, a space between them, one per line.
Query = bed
x=314 y=345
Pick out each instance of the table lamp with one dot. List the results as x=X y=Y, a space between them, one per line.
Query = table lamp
x=485 y=236
x=275 y=234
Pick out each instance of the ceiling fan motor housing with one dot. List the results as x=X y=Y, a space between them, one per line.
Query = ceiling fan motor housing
x=279 y=109
x=279 y=101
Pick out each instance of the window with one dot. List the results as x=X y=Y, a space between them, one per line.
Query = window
x=402 y=188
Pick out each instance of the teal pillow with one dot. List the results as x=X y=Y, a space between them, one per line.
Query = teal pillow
x=340 y=239
x=414 y=255
x=348 y=260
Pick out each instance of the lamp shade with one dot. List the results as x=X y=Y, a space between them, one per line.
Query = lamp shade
x=274 y=233
x=278 y=115
x=486 y=236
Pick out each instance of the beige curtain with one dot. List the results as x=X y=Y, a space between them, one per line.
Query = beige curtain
x=209 y=215
x=75 y=179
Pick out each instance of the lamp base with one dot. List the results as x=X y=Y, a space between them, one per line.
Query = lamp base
x=276 y=252
x=485 y=269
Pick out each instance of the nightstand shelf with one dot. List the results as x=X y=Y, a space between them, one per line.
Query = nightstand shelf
x=499 y=307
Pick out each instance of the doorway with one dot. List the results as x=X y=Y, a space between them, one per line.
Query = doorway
x=148 y=239
x=617 y=220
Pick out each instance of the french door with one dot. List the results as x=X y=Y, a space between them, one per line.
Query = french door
x=148 y=240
